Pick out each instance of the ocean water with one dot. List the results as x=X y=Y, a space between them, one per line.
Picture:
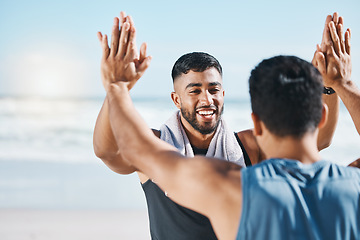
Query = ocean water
x=47 y=160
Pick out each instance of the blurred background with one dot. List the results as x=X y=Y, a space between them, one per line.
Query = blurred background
x=51 y=183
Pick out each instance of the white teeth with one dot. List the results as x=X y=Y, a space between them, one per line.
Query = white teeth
x=206 y=112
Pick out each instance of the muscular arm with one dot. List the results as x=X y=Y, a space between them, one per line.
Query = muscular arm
x=338 y=68
x=326 y=133
x=335 y=66
x=105 y=146
x=350 y=95
x=119 y=62
x=209 y=186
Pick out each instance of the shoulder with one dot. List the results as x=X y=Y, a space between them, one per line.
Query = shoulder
x=251 y=146
x=247 y=138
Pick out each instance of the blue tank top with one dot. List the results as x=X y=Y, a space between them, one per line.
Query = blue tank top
x=285 y=199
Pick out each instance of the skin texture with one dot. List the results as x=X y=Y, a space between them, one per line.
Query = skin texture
x=140 y=150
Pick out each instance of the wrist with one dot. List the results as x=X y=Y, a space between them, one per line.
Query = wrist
x=114 y=89
x=341 y=83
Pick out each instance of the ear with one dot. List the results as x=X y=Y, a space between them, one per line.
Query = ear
x=257 y=124
x=324 y=116
x=223 y=93
x=176 y=99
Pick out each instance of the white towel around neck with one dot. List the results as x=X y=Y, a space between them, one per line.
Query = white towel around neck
x=223 y=145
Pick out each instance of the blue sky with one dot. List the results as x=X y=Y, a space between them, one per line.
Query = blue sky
x=50 y=48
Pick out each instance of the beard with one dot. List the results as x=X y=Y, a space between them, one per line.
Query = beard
x=207 y=127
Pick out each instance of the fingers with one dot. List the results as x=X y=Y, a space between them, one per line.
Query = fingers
x=341 y=36
x=347 y=41
x=105 y=46
x=143 y=48
x=131 y=49
x=335 y=38
x=326 y=34
x=320 y=62
x=144 y=61
x=123 y=42
x=335 y=18
x=332 y=54
x=100 y=36
x=341 y=20
x=115 y=38
x=313 y=61
x=144 y=65
x=122 y=18
x=318 y=48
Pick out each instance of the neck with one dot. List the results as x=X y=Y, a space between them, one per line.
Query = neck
x=303 y=149
x=196 y=138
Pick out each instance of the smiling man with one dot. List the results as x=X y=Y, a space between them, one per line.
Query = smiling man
x=198 y=94
x=196 y=129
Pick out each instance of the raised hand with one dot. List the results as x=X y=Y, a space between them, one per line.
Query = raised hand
x=325 y=37
x=121 y=62
x=333 y=58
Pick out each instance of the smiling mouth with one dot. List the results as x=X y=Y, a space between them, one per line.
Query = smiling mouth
x=206 y=112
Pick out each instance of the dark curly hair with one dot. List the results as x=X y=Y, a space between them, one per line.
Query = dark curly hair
x=286 y=94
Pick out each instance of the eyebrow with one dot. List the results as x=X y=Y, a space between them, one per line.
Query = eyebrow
x=200 y=84
x=214 y=84
x=193 y=85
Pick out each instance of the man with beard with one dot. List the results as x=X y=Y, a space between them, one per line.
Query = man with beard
x=196 y=129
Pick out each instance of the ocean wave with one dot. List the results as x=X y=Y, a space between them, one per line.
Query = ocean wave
x=61 y=130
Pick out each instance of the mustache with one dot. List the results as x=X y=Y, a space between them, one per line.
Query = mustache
x=211 y=106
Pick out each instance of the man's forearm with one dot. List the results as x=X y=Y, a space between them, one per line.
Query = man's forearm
x=327 y=132
x=134 y=139
x=105 y=146
x=103 y=139
x=350 y=95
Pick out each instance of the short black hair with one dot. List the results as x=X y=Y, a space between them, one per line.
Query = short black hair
x=286 y=94
x=195 y=61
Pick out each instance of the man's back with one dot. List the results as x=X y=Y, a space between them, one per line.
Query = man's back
x=291 y=200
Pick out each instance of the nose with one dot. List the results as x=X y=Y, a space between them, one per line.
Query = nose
x=206 y=98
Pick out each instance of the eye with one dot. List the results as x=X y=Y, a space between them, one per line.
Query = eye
x=195 y=91
x=214 y=90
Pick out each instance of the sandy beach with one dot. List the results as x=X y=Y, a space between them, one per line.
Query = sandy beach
x=69 y=201
x=17 y=224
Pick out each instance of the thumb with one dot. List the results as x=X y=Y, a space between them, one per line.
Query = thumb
x=144 y=65
x=320 y=62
